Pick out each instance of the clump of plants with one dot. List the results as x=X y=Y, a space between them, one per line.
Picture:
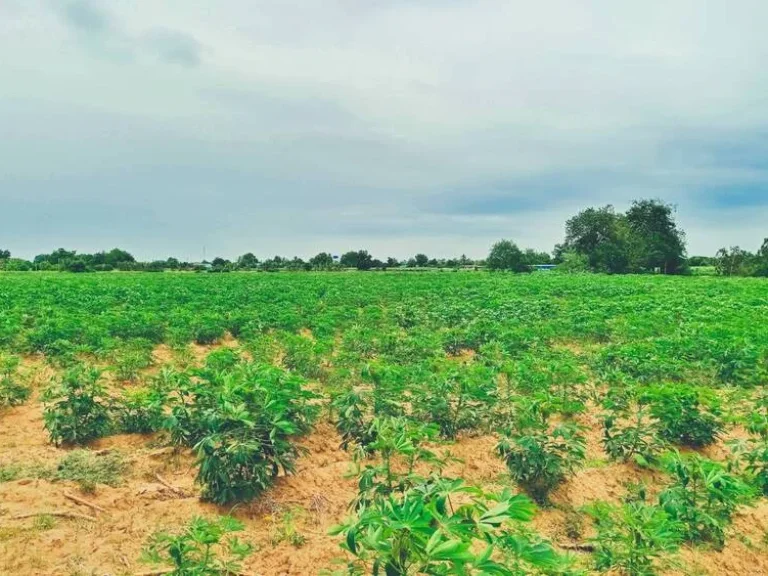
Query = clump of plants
x=687 y=415
x=77 y=409
x=284 y=529
x=456 y=399
x=207 y=331
x=354 y=419
x=399 y=447
x=129 y=362
x=540 y=460
x=242 y=425
x=751 y=455
x=630 y=433
x=633 y=537
x=142 y=410
x=421 y=530
x=205 y=547
x=702 y=497
x=90 y=469
x=12 y=391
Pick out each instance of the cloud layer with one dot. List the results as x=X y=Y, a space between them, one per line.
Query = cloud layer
x=286 y=127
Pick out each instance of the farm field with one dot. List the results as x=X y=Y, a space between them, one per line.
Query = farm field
x=328 y=414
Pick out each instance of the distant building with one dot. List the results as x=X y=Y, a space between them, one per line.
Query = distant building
x=544 y=267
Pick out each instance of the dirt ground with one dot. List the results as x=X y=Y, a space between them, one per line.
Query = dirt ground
x=159 y=493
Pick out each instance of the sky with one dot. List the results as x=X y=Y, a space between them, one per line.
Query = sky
x=184 y=127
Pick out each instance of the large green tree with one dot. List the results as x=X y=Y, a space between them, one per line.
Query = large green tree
x=505 y=255
x=655 y=241
x=601 y=235
x=359 y=259
x=248 y=261
x=321 y=261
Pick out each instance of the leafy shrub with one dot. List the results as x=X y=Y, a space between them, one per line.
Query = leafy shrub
x=354 y=421
x=687 y=415
x=303 y=356
x=554 y=376
x=632 y=436
x=12 y=392
x=419 y=531
x=632 y=537
x=207 y=331
x=539 y=461
x=129 y=362
x=456 y=400
x=77 y=408
x=89 y=469
x=702 y=497
x=142 y=410
x=202 y=548
x=221 y=360
x=398 y=442
x=241 y=425
x=128 y=326
x=752 y=454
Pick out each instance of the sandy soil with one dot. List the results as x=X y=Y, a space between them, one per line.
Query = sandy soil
x=316 y=497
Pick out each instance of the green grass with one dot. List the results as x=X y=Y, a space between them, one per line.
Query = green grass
x=89 y=469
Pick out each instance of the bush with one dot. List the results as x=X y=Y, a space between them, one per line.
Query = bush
x=12 y=392
x=77 y=409
x=129 y=363
x=702 y=497
x=200 y=549
x=241 y=425
x=456 y=400
x=142 y=410
x=354 y=421
x=752 y=454
x=539 y=462
x=631 y=538
x=687 y=415
x=632 y=436
x=420 y=531
x=208 y=331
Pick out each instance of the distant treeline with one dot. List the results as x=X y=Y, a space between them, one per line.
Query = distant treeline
x=644 y=239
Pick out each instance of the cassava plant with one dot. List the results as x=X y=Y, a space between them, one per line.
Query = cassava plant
x=539 y=460
x=77 y=409
x=702 y=497
x=687 y=415
x=632 y=435
x=12 y=391
x=203 y=548
x=456 y=399
x=751 y=454
x=242 y=425
x=633 y=538
x=423 y=530
x=355 y=419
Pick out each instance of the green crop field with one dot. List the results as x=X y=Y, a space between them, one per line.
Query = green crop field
x=405 y=423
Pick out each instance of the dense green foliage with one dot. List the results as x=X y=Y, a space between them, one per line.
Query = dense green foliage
x=403 y=365
x=203 y=548
x=644 y=239
x=77 y=408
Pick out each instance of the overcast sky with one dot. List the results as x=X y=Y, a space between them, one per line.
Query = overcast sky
x=298 y=126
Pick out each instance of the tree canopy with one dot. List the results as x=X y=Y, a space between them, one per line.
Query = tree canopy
x=644 y=239
x=505 y=255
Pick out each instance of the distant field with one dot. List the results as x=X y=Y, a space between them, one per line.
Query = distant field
x=628 y=369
